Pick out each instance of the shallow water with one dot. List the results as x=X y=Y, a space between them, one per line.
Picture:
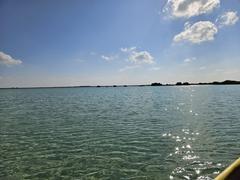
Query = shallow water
x=190 y=132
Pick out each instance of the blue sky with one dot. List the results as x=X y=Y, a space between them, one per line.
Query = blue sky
x=92 y=42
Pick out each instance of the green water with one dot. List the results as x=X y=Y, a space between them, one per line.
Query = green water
x=188 y=132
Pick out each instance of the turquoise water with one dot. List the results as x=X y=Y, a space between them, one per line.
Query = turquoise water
x=190 y=132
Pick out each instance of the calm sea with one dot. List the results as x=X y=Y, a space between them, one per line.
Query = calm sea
x=190 y=132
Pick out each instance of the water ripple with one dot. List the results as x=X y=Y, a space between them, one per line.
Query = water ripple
x=123 y=133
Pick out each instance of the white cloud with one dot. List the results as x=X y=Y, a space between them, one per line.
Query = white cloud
x=190 y=8
x=138 y=57
x=227 y=19
x=189 y=60
x=108 y=58
x=128 y=49
x=141 y=57
x=187 y=25
x=8 y=60
x=128 y=68
x=199 y=32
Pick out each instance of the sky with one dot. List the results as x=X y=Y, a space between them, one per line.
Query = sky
x=93 y=42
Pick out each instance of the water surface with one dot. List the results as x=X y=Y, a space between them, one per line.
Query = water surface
x=190 y=132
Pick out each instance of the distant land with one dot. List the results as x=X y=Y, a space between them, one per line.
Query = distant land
x=226 y=82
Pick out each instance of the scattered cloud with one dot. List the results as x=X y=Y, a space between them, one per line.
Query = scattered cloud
x=128 y=68
x=189 y=60
x=8 y=60
x=227 y=19
x=132 y=55
x=109 y=58
x=141 y=57
x=138 y=57
x=197 y=33
x=128 y=49
x=189 y=8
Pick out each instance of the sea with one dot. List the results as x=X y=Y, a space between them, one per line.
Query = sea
x=107 y=133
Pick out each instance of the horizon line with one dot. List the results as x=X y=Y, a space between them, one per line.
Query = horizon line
x=185 y=83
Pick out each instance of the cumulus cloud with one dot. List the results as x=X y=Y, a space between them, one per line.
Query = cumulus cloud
x=108 y=58
x=228 y=19
x=197 y=33
x=141 y=57
x=138 y=57
x=8 y=60
x=189 y=8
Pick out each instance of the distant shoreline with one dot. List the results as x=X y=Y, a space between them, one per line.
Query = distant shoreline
x=226 y=82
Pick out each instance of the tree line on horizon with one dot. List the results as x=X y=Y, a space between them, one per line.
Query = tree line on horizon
x=226 y=82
